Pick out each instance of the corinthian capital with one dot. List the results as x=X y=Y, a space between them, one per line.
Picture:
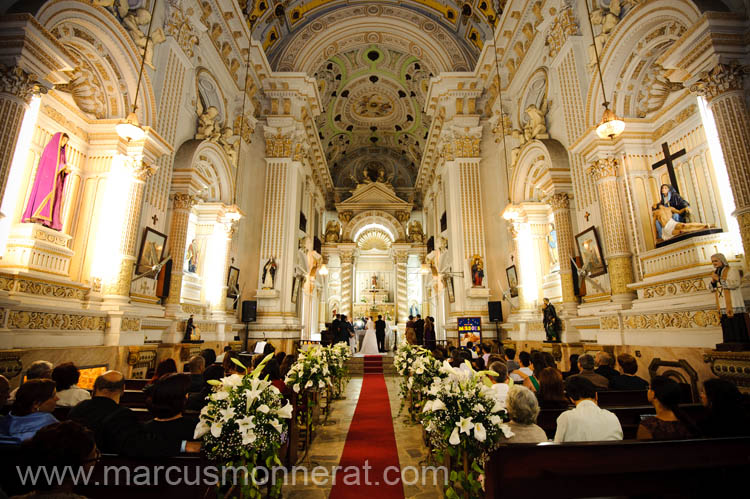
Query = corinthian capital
x=721 y=79
x=603 y=168
x=285 y=142
x=183 y=201
x=560 y=201
x=16 y=81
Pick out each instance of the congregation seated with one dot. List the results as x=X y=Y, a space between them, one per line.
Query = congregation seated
x=229 y=366
x=31 y=411
x=549 y=360
x=66 y=377
x=286 y=365
x=669 y=423
x=573 y=366
x=525 y=369
x=605 y=366
x=166 y=366
x=39 y=369
x=586 y=366
x=500 y=381
x=538 y=363
x=196 y=364
x=627 y=380
x=272 y=372
x=220 y=358
x=510 y=355
x=210 y=356
x=116 y=428
x=167 y=406
x=478 y=364
x=57 y=447
x=728 y=411
x=587 y=422
x=197 y=400
x=523 y=409
x=551 y=393
x=279 y=357
x=486 y=351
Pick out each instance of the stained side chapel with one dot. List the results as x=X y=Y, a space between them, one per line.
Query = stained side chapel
x=309 y=159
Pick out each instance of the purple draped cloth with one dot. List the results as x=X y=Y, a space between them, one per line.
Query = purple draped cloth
x=47 y=193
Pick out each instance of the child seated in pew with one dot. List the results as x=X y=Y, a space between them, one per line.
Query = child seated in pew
x=669 y=423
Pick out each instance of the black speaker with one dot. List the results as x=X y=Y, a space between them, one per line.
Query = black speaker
x=496 y=311
x=248 y=310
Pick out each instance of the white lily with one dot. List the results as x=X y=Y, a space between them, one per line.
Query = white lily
x=296 y=388
x=247 y=423
x=286 y=411
x=438 y=405
x=216 y=429
x=227 y=414
x=465 y=425
x=219 y=396
x=455 y=438
x=201 y=429
x=277 y=425
x=506 y=430
x=232 y=381
x=479 y=432
x=309 y=384
x=248 y=438
x=264 y=409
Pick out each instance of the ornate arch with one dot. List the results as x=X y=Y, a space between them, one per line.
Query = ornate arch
x=646 y=31
x=542 y=169
x=202 y=167
x=114 y=60
x=374 y=217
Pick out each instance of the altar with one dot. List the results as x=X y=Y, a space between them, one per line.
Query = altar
x=387 y=310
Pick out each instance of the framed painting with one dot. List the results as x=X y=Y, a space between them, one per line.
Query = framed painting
x=512 y=276
x=591 y=252
x=469 y=330
x=152 y=250
x=233 y=279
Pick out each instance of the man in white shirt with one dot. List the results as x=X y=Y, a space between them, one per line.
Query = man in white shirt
x=587 y=422
x=525 y=358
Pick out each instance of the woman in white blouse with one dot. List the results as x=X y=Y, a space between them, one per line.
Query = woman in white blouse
x=69 y=394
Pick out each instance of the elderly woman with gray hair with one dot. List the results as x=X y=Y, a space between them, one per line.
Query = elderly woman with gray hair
x=523 y=409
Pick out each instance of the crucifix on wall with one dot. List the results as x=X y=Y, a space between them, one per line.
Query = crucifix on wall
x=668 y=158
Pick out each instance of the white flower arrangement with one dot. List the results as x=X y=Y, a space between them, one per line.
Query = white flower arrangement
x=311 y=371
x=245 y=421
x=464 y=417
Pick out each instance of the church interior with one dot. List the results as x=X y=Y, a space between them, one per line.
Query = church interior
x=555 y=176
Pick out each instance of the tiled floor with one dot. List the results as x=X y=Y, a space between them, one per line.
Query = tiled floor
x=329 y=442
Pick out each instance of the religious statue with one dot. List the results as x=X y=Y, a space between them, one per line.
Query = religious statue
x=416 y=235
x=725 y=284
x=45 y=202
x=230 y=148
x=122 y=7
x=269 y=274
x=671 y=198
x=141 y=17
x=536 y=127
x=346 y=216
x=664 y=215
x=381 y=175
x=477 y=271
x=207 y=126
x=366 y=176
x=607 y=18
x=191 y=255
x=333 y=231
x=551 y=321
x=189 y=329
x=516 y=151
x=374 y=281
x=554 y=257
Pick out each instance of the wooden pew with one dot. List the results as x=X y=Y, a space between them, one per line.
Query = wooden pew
x=133 y=398
x=630 y=417
x=621 y=398
x=678 y=468
x=135 y=384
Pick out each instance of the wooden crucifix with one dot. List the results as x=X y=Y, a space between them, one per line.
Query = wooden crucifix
x=668 y=157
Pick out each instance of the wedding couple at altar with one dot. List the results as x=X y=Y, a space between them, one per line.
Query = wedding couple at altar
x=374 y=341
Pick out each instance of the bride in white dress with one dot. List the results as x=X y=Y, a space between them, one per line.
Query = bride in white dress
x=370 y=342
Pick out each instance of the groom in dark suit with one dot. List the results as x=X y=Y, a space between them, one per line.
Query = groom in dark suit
x=380 y=333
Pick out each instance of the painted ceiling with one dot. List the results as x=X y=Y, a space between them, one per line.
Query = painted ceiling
x=372 y=81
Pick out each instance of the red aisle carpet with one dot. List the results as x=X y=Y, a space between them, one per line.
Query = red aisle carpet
x=370 y=439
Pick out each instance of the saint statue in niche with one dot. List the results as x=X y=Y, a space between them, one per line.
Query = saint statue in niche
x=45 y=202
x=554 y=257
x=191 y=257
x=374 y=281
x=725 y=283
x=269 y=273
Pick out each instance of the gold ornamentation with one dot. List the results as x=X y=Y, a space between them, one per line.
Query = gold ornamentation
x=10 y=365
x=62 y=120
x=683 y=320
x=130 y=324
x=182 y=201
x=15 y=284
x=744 y=223
x=346 y=216
x=16 y=81
x=719 y=80
x=560 y=201
x=193 y=309
x=611 y=322
x=687 y=286
x=402 y=216
x=620 y=274
x=22 y=319
x=603 y=168
x=178 y=26
x=732 y=366
x=563 y=26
